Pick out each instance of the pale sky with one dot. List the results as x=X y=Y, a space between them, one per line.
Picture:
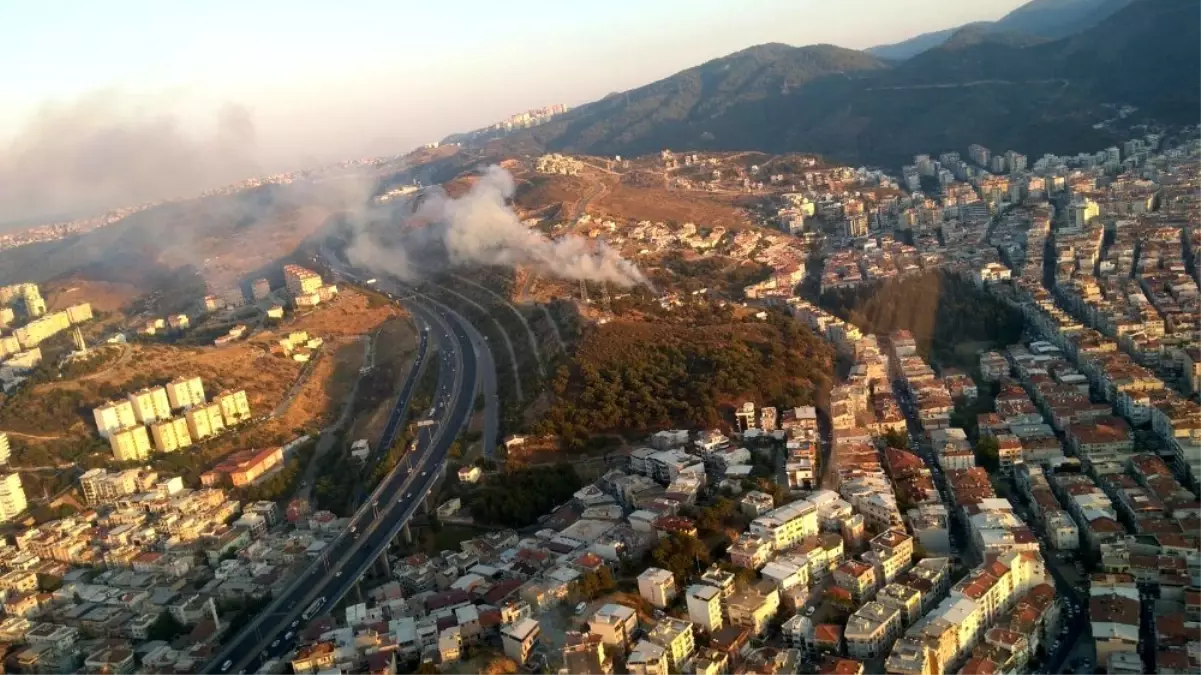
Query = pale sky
x=325 y=80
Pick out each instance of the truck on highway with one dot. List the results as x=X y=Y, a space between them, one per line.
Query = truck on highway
x=313 y=609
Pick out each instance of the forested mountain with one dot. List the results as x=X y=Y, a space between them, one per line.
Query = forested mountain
x=1004 y=93
x=1035 y=20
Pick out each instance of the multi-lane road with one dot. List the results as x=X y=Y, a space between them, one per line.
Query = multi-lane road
x=333 y=574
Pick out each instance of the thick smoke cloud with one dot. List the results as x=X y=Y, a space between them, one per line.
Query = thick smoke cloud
x=480 y=228
x=101 y=151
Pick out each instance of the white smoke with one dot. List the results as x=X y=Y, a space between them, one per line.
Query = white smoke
x=481 y=228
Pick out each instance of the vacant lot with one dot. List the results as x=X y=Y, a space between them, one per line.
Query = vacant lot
x=658 y=204
x=395 y=348
x=104 y=296
x=351 y=313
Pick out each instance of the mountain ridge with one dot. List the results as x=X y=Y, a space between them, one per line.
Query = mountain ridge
x=858 y=108
x=1046 y=19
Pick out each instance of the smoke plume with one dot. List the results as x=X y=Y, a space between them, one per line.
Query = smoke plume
x=102 y=151
x=480 y=228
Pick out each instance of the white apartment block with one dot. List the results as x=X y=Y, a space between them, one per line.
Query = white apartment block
x=787 y=525
x=1062 y=531
x=704 y=607
x=519 y=638
x=12 y=496
x=871 y=630
x=130 y=445
x=185 y=392
x=114 y=416
x=657 y=586
x=171 y=434
x=204 y=421
x=615 y=624
x=647 y=658
x=101 y=487
x=675 y=636
x=150 y=405
x=235 y=407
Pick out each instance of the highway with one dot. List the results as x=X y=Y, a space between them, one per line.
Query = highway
x=333 y=574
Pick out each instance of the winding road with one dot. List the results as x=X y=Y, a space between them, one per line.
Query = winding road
x=503 y=333
x=335 y=571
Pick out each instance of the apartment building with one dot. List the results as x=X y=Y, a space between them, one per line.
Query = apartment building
x=5 y=448
x=101 y=487
x=787 y=525
x=676 y=638
x=114 y=416
x=871 y=630
x=648 y=658
x=79 y=313
x=859 y=578
x=300 y=280
x=150 y=405
x=204 y=421
x=12 y=496
x=315 y=657
x=235 y=407
x=1115 y=624
x=704 y=607
x=519 y=639
x=895 y=546
x=33 y=333
x=245 y=467
x=170 y=434
x=185 y=392
x=615 y=624
x=1062 y=532
x=754 y=607
x=657 y=586
x=905 y=598
x=131 y=444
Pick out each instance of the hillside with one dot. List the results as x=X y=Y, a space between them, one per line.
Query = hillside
x=855 y=108
x=675 y=110
x=1038 y=19
x=637 y=376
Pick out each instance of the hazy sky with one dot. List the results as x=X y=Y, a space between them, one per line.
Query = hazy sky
x=318 y=80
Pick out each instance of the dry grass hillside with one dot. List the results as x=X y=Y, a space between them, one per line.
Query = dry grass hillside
x=104 y=296
x=59 y=412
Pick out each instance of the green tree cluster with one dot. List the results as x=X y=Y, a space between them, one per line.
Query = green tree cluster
x=896 y=439
x=988 y=453
x=712 y=518
x=683 y=555
x=941 y=309
x=595 y=584
x=166 y=628
x=517 y=498
x=627 y=379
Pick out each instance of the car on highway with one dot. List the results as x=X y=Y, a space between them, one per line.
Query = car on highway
x=225 y=666
x=288 y=635
x=275 y=643
x=295 y=623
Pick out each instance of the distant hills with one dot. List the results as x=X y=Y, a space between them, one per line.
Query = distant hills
x=1038 y=20
x=1004 y=90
